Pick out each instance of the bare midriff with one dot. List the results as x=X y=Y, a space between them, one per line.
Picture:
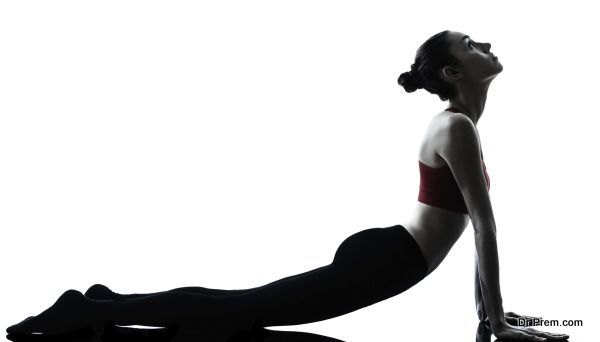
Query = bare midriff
x=435 y=230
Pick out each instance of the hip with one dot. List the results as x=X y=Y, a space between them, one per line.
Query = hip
x=385 y=250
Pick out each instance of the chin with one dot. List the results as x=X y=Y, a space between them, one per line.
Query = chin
x=498 y=69
x=500 y=66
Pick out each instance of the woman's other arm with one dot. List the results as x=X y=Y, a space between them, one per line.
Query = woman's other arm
x=460 y=148
x=461 y=151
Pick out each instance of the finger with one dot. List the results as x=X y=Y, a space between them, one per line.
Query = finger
x=530 y=337
x=543 y=332
x=522 y=335
x=532 y=330
x=549 y=335
x=554 y=337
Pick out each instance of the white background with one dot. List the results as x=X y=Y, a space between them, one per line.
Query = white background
x=150 y=145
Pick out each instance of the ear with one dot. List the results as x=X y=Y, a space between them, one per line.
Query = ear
x=451 y=73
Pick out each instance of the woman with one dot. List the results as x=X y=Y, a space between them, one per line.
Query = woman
x=371 y=265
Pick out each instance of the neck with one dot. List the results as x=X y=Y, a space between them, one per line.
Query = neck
x=471 y=99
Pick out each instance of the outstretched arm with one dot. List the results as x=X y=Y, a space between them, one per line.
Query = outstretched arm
x=462 y=152
x=460 y=148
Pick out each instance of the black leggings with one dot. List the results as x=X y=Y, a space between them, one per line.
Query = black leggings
x=369 y=266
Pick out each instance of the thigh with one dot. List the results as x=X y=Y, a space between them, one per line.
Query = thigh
x=369 y=266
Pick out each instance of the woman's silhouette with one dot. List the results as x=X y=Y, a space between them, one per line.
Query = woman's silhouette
x=373 y=264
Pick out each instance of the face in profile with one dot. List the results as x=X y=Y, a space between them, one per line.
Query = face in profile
x=478 y=63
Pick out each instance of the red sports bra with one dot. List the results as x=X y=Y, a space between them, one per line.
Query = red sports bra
x=439 y=188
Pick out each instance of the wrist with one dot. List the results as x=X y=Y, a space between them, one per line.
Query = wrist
x=481 y=312
x=482 y=316
x=498 y=324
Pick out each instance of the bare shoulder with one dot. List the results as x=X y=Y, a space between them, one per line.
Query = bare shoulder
x=449 y=130
x=455 y=130
x=455 y=121
x=443 y=121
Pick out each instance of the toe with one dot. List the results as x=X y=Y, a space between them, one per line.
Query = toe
x=15 y=328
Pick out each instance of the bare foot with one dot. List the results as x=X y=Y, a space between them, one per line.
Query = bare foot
x=70 y=312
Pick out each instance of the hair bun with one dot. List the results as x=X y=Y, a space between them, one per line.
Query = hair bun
x=408 y=82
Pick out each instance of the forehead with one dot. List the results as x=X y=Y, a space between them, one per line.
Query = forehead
x=457 y=38
x=457 y=41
